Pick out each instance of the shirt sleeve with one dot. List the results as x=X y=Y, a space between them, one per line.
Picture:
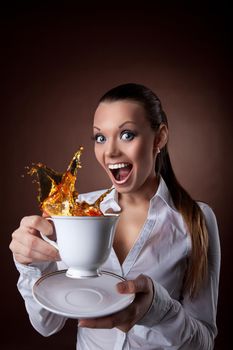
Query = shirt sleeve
x=44 y=321
x=191 y=323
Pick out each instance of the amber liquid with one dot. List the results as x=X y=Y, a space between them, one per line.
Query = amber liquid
x=57 y=193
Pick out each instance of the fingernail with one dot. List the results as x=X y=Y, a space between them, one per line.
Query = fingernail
x=57 y=258
x=84 y=324
x=121 y=287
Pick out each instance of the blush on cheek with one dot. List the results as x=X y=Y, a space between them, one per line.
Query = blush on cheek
x=98 y=158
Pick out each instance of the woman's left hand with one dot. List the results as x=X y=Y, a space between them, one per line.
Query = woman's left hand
x=124 y=320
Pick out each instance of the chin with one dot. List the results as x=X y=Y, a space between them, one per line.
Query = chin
x=124 y=189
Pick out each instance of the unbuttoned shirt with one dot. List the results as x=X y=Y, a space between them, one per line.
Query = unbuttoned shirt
x=174 y=321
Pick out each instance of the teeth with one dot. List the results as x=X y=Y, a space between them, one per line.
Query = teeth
x=118 y=166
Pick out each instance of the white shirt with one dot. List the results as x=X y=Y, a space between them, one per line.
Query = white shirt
x=161 y=251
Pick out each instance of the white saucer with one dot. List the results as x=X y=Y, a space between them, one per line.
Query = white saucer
x=80 y=298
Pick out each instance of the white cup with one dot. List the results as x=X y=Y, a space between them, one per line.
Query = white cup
x=84 y=242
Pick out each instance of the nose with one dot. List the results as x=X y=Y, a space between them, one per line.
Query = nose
x=112 y=149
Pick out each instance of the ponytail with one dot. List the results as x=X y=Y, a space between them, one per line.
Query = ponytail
x=197 y=264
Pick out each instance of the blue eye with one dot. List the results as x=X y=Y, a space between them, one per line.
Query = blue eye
x=99 y=138
x=127 y=135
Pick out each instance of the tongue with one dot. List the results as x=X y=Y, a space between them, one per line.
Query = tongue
x=122 y=173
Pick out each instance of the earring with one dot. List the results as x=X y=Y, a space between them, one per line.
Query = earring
x=158 y=150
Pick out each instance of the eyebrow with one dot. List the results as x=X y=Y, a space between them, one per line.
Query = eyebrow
x=127 y=122
x=120 y=126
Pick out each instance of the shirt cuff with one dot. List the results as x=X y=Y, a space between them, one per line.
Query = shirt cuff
x=36 y=270
x=161 y=304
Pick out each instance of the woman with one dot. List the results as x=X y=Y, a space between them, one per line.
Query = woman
x=166 y=244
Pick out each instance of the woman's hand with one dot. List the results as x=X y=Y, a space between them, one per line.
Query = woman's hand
x=124 y=320
x=27 y=244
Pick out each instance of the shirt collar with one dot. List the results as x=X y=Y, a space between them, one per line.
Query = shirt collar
x=162 y=193
x=110 y=202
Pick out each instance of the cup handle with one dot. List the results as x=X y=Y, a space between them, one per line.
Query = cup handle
x=45 y=238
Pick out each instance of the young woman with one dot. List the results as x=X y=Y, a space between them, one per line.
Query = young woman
x=166 y=244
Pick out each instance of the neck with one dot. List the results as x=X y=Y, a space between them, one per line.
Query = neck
x=142 y=195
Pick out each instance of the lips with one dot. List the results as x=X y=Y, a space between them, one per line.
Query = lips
x=120 y=171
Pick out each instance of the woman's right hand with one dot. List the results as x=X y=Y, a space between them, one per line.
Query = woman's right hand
x=27 y=245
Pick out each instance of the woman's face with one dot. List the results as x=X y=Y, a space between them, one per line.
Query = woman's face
x=125 y=144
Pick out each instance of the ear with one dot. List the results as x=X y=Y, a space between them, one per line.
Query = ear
x=161 y=137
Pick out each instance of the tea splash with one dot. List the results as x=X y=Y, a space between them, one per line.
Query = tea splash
x=57 y=193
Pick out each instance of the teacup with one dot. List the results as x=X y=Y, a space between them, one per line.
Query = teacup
x=84 y=242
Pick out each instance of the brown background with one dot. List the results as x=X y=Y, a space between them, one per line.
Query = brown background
x=57 y=61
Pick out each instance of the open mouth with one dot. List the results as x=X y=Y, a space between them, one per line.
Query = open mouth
x=120 y=171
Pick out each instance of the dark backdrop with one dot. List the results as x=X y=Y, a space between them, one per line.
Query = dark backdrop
x=56 y=61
